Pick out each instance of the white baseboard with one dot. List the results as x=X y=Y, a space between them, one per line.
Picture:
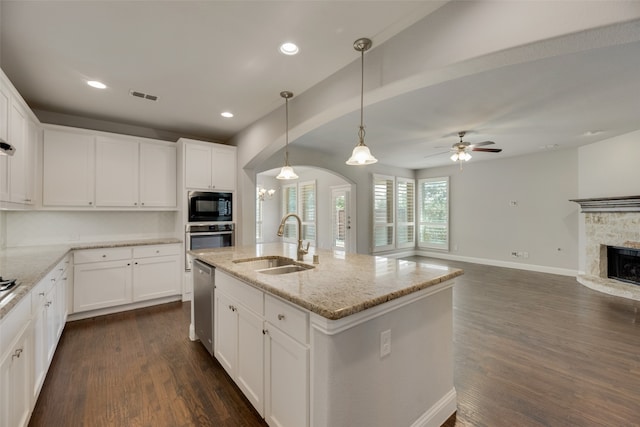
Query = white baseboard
x=121 y=308
x=498 y=263
x=438 y=413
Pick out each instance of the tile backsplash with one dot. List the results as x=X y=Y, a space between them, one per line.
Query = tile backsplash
x=48 y=227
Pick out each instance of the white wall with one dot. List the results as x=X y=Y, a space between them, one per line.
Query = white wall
x=485 y=228
x=3 y=230
x=607 y=168
x=47 y=227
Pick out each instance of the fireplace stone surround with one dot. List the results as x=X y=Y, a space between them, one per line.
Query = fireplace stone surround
x=611 y=221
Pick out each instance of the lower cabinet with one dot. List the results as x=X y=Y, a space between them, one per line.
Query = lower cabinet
x=262 y=343
x=16 y=358
x=115 y=276
x=238 y=336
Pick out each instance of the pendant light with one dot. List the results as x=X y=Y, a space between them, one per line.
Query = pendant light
x=361 y=154
x=287 y=171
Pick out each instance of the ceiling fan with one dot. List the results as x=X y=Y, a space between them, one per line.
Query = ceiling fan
x=461 y=150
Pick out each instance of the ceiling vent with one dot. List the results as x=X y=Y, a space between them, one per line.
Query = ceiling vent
x=143 y=95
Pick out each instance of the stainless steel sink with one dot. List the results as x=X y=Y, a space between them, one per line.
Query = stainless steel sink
x=273 y=264
x=285 y=269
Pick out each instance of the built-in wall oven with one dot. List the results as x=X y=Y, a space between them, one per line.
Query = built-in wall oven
x=206 y=236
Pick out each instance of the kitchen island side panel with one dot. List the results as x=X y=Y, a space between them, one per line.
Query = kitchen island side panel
x=412 y=386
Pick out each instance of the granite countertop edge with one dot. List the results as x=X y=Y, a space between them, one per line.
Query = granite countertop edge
x=363 y=296
x=35 y=262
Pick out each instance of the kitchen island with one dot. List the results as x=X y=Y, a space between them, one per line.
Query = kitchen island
x=356 y=340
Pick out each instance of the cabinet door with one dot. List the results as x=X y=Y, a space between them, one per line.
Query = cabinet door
x=68 y=169
x=250 y=369
x=157 y=175
x=33 y=135
x=156 y=277
x=223 y=168
x=116 y=172
x=5 y=100
x=51 y=326
x=16 y=383
x=197 y=166
x=286 y=380
x=19 y=161
x=39 y=348
x=101 y=284
x=225 y=332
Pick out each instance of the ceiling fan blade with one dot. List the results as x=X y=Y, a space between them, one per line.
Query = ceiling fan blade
x=437 y=154
x=488 y=150
x=480 y=144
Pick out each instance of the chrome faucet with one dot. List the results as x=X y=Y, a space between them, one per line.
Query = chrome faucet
x=301 y=251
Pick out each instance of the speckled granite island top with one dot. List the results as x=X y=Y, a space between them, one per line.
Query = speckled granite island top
x=30 y=264
x=339 y=286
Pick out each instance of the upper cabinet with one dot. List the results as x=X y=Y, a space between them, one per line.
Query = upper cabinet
x=18 y=127
x=209 y=166
x=90 y=169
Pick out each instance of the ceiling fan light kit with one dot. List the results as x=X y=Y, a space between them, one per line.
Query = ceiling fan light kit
x=361 y=154
x=461 y=149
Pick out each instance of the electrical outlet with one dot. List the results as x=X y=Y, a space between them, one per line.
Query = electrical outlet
x=513 y=203
x=385 y=343
x=525 y=255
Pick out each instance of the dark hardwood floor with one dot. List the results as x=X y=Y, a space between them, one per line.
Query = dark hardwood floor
x=531 y=349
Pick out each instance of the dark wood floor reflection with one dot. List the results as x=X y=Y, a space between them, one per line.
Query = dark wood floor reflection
x=531 y=349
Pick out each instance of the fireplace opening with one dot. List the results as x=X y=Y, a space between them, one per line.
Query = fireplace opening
x=623 y=264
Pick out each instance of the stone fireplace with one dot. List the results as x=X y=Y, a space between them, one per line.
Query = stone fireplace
x=610 y=223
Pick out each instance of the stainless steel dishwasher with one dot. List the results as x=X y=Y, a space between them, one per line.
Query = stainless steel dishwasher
x=203 y=290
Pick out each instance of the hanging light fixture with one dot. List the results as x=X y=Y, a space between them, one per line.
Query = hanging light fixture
x=287 y=171
x=361 y=154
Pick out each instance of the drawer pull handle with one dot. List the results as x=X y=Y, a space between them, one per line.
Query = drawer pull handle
x=265 y=332
x=280 y=316
x=16 y=354
x=104 y=256
x=41 y=294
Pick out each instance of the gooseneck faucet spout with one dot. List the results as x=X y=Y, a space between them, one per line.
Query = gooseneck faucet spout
x=301 y=251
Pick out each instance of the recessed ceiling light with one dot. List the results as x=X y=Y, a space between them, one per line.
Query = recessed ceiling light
x=226 y=114
x=96 y=84
x=289 y=48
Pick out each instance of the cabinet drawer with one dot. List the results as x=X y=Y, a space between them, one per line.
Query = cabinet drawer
x=14 y=322
x=249 y=296
x=40 y=291
x=155 y=250
x=291 y=320
x=96 y=255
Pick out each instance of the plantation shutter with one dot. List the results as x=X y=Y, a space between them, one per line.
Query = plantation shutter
x=405 y=213
x=307 y=212
x=383 y=222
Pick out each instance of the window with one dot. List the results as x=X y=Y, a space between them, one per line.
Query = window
x=383 y=218
x=300 y=199
x=405 y=213
x=393 y=213
x=433 y=216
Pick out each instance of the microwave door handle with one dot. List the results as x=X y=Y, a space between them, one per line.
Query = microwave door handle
x=213 y=233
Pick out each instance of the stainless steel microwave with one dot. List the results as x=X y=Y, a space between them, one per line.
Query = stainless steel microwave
x=210 y=206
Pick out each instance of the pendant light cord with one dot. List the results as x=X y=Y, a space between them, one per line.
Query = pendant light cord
x=286 y=134
x=361 y=131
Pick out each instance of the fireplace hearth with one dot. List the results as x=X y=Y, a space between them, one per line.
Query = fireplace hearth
x=623 y=264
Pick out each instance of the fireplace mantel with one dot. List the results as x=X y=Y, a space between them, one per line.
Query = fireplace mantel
x=610 y=204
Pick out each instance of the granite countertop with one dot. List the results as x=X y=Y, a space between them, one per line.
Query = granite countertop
x=340 y=285
x=30 y=264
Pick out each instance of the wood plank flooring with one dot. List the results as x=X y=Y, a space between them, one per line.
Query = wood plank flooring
x=531 y=349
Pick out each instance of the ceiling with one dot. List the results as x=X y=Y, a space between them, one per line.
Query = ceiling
x=202 y=58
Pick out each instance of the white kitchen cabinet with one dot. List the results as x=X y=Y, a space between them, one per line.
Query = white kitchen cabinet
x=158 y=169
x=87 y=169
x=239 y=335
x=16 y=172
x=68 y=169
x=286 y=365
x=5 y=101
x=16 y=379
x=99 y=284
x=116 y=276
x=156 y=271
x=116 y=172
x=210 y=166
